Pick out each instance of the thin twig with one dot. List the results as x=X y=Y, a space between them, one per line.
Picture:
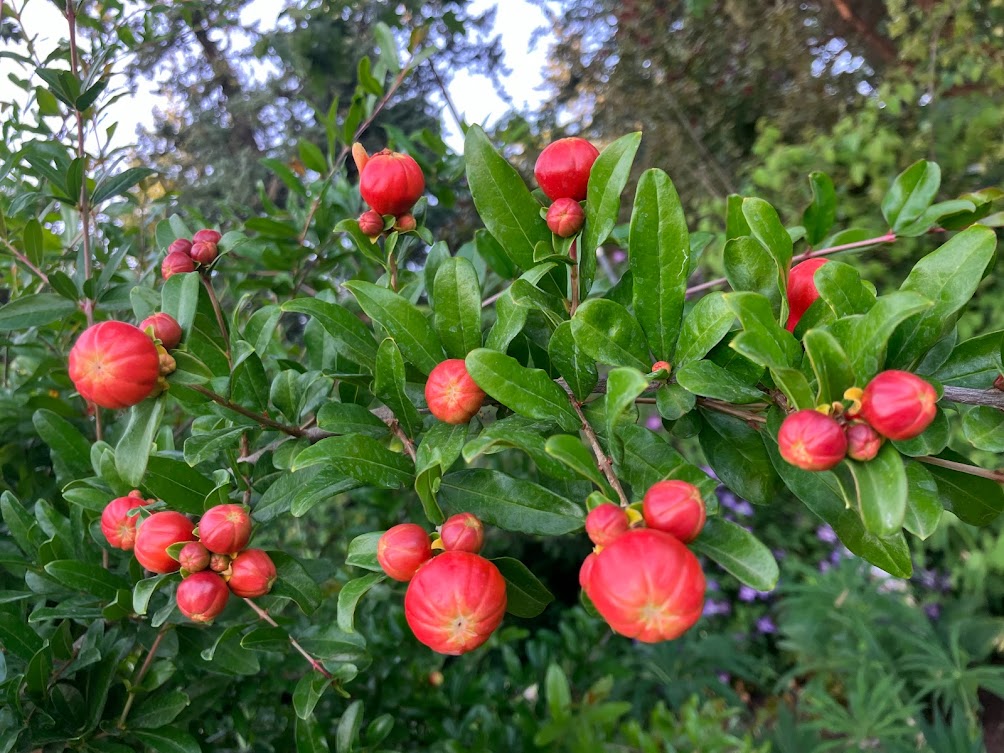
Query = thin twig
x=142 y=673
x=26 y=261
x=972 y=470
x=71 y=18
x=602 y=461
x=492 y=298
x=220 y=321
x=810 y=254
x=728 y=409
x=397 y=431
x=446 y=95
x=968 y=396
x=259 y=418
x=315 y=663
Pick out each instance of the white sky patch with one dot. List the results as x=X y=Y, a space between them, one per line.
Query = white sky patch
x=474 y=95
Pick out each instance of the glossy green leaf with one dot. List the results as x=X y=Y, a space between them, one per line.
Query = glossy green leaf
x=890 y=553
x=932 y=441
x=983 y=426
x=81 y=576
x=606 y=332
x=736 y=453
x=349 y=596
x=308 y=692
x=402 y=320
x=18 y=638
x=820 y=215
x=708 y=379
x=660 y=259
x=389 y=385
x=624 y=386
x=351 y=337
x=168 y=740
x=673 y=401
x=749 y=266
x=841 y=287
x=509 y=503
x=911 y=194
x=526 y=596
x=116 y=185
x=293 y=582
x=69 y=449
x=738 y=552
x=767 y=228
x=360 y=457
x=503 y=201
x=34 y=310
x=607 y=179
x=571 y=452
x=973 y=363
x=762 y=340
x=528 y=392
x=704 y=326
x=830 y=364
x=871 y=333
x=159 y=709
x=576 y=368
x=923 y=506
x=134 y=446
x=458 y=307
x=881 y=490
x=975 y=500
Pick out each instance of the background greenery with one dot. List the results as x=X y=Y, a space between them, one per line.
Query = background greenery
x=733 y=97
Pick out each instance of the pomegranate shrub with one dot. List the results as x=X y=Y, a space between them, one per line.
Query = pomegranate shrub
x=330 y=378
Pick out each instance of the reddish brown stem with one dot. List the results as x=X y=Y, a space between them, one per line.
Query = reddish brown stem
x=142 y=673
x=315 y=663
x=972 y=470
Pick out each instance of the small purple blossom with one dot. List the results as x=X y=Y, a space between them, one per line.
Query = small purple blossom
x=825 y=566
x=712 y=608
x=747 y=594
x=933 y=611
x=654 y=422
x=779 y=554
x=711 y=584
x=766 y=625
x=826 y=534
x=743 y=508
x=618 y=255
x=724 y=678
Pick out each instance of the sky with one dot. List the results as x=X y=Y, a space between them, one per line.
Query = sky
x=473 y=95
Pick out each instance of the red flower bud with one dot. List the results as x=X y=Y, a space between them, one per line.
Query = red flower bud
x=193 y=557
x=455 y=602
x=370 y=223
x=647 y=585
x=402 y=550
x=675 y=507
x=391 y=182
x=118 y=526
x=898 y=404
x=812 y=441
x=452 y=395
x=204 y=253
x=562 y=169
x=252 y=574
x=662 y=366
x=462 y=532
x=219 y=563
x=202 y=596
x=207 y=236
x=175 y=263
x=606 y=522
x=181 y=245
x=999 y=382
x=586 y=571
x=156 y=534
x=405 y=223
x=165 y=328
x=863 y=442
x=114 y=365
x=801 y=290
x=225 y=529
x=565 y=217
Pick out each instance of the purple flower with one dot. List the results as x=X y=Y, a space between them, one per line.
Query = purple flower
x=654 y=422
x=933 y=611
x=707 y=469
x=825 y=567
x=743 y=508
x=618 y=255
x=766 y=625
x=779 y=554
x=711 y=584
x=712 y=607
x=747 y=594
x=724 y=678
x=826 y=534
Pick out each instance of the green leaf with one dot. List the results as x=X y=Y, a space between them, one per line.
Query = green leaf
x=624 y=386
x=870 y=333
x=70 y=450
x=607 y=179
x=830 y=364
x=308 y=692
x=389 y=385
x=503 y=201
x=737 y=454
x=660 y=259
x=362 y=551
x=168 y=740
x=923 y=506
x=974 y=363
x=134 y=446
x=308 y=736
x=975 y=500
x=911 y=194
x=92 y=579
x=184 y=488
x=882 y=491
x=349 y=418
x=820 y=215
x=34 y=310
x=708 y=322
x=509 y=503
x=37 y=673
x=932 y=441
x=750 y=267
x=115 y=185
x=440 y=448
x=159 y=710
x=708 y=379
x=348 y=727
x=984 y=428
x=207 y=445
x=525 y=595
x=293 y=582
x=180 y=299
x=890 y=553
x=762 y=340
x=351 y=337
x=575 y=367
x=738 y=552
x=528 y=392
x=795 y=387
x=605 y=331
x=23 y=528
x=949 y=277
x=840 y=286
x=673 y=401
x=767 y=228
x=360 y=457
x=458 y=307
x=570 y=451
x=349 y=597
x=402 y=320
x=143 y=591
x=18 y=638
